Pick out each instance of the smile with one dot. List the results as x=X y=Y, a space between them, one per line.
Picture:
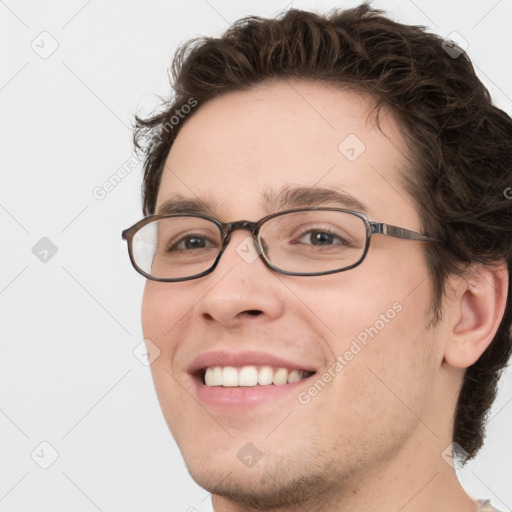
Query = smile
x=227 y=380
x=249 y=376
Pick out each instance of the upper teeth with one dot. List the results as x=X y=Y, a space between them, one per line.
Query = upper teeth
x=230 y=376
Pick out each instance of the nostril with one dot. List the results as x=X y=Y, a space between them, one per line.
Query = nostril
x=253 y=312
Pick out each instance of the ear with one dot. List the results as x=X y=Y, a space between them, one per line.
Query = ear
x=478 y=307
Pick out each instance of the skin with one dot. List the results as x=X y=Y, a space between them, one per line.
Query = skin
x=372 y=439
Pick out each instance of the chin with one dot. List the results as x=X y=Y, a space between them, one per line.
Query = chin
x=273 y=482
x=258 y=489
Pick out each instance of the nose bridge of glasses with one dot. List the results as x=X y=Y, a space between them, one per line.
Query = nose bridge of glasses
x=241 y=225
x=228 y=228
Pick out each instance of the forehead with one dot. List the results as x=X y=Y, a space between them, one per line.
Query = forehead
x=238 y=148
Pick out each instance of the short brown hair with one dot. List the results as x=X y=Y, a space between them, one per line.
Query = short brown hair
x=461 y=145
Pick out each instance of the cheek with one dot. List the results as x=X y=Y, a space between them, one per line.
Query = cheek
x=376 y=328
x=164 y=310
x=368 y=302
x=153 y=313
x=163 y=314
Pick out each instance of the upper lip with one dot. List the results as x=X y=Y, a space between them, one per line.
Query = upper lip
x=246 y=358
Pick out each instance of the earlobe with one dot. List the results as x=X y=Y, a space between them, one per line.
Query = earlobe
x=479 y=306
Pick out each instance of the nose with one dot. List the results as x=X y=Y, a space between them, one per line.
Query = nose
x=242 y=288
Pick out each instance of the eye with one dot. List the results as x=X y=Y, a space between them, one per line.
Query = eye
x=189 y=243
x=322 y=237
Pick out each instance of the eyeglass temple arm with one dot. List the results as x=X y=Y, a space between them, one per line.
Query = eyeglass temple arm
x=395 y=231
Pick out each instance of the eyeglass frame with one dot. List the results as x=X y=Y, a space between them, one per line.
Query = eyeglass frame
x=227 y=228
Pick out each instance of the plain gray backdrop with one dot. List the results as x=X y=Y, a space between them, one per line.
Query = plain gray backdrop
x=80 y=425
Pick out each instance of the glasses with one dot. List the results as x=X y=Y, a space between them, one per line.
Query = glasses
x=311 y=241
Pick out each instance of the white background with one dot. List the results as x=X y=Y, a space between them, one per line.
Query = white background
x=69 y=326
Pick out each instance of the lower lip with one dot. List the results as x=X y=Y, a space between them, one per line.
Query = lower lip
x=241 y=397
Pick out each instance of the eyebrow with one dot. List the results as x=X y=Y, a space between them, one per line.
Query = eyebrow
x=273 y=201
x=180 y=204
x=297 y=197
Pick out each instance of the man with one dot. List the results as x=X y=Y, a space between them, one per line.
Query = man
x=327 y=243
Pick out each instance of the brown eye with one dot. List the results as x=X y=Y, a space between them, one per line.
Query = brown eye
x=322 y=238
x=190 y=242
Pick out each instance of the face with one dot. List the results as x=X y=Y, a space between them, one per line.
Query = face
x=359 y=334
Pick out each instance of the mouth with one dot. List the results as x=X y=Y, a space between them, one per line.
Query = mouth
x=234 y=381
x=250 y=376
